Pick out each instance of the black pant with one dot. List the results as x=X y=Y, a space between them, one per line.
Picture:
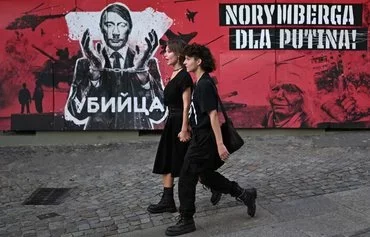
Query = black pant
x=27 y=106
x=200 y=154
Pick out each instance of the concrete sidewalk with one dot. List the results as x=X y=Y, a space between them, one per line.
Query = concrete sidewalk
x=310 y=185
x=338 y=214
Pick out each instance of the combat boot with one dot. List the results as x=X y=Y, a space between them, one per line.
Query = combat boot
x=248 y=197
x=216 y=197
x=166 y=204
x=183 y=226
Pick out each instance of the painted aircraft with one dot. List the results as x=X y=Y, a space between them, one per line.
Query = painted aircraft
x=171 y=35
x=190 y=15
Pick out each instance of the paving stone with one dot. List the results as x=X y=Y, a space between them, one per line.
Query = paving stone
x=55 y=225
x=66 y=235
x=105 y=218
x=112 y=194
x=83 y=227
x=43 y=233
x=77 y=234
x=123 y=225
x=57 y=232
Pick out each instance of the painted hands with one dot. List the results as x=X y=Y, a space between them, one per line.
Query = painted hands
x=95 y=56
x=142 y=58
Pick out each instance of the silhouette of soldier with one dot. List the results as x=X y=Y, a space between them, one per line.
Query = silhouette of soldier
x=24 y=98
x=38 y=95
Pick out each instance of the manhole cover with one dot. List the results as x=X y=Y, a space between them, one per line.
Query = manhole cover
x=47 y=196
x=47 y=215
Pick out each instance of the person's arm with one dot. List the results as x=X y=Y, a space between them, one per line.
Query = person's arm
x=76 y=106
x=184 y=134
x=143 y=78
x=142 y=59
x=209 y=104
x=215 y=123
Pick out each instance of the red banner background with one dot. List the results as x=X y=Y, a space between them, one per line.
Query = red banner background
x=333 y=85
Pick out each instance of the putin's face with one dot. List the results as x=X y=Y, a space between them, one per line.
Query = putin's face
x=115 y=30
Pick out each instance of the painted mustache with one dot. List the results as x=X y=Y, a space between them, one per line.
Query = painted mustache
x=115 y=40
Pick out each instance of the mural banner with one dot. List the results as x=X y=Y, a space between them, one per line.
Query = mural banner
x=99 y=65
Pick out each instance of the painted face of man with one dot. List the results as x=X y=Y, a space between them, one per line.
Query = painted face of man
x=286 y=99
x=170 y=57
x=191 y=63
x=115 y=30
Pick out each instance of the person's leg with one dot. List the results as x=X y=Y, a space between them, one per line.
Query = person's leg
x=167 y=202
x=22 y=108
x=28 y=107
x=187 y=188
x=37 y=106
x=216 y=195
x=218 y=182
x=167 y=181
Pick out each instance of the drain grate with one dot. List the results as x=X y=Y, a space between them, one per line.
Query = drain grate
x=47 y=196
x=47 y=215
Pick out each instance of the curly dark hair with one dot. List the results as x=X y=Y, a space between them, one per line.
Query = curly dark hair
x=177 y=46
x=199 y=51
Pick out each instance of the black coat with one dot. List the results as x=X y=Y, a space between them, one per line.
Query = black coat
x=114 y=85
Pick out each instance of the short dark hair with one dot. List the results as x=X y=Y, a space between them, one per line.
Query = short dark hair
x=201 y=52
x=120 y=10
x=177 y=46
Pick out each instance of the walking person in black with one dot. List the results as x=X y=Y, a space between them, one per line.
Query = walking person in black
x=206 y=152
x=176 y=133
x=38 y=95
x=24 y=98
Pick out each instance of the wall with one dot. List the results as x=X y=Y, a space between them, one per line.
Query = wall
x=279 y=64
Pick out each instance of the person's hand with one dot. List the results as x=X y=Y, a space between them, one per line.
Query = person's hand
x=222 y=151
x=362 y=103
x=142 y=58
x=184 y=136
x=95 y=56
x=348 y=104
x=334 y=110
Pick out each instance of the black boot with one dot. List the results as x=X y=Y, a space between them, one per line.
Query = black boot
x=248 y=197
x=216 y=196
x=183 y=226
x=166 y=204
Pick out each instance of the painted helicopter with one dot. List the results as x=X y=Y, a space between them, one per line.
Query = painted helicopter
x=32 y=21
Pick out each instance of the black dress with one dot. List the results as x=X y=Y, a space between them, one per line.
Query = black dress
x=171 y=152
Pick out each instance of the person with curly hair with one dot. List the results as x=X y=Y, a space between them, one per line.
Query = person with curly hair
x=206 y=152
